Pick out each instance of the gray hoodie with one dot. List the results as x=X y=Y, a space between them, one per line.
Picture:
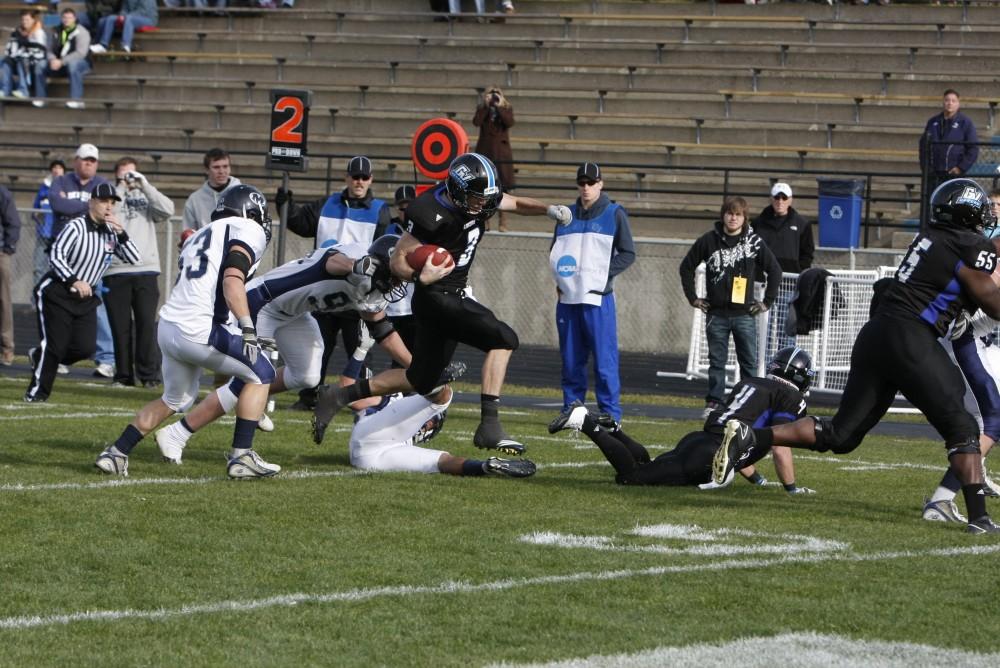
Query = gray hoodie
x=142 y=206
x=202 y=202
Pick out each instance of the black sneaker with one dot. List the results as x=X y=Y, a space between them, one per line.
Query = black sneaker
x=571 y=418
x=737 y=442
x=327 y=405
x=982 y=524
x=606 y=421
x=512 y=468
x=493 y=437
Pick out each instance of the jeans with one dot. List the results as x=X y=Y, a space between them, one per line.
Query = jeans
x=106 y=28
x=105 y=353
x=717 y=329
x=27 y=72
x=75 y=71
x=41 y=257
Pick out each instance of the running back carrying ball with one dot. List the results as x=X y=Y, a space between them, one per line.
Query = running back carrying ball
x=418 y=257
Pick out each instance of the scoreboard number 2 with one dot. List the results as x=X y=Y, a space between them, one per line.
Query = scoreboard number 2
x=289 y=130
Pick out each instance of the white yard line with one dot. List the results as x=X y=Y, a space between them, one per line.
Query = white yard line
x=141 y=482
x=450 y=587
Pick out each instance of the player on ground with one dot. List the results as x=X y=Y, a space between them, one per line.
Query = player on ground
x=347 y=278
x=946 y=269
x=192 y=333
x=452 y=215
x=776 y=399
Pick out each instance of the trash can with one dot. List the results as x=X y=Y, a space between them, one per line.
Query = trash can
x=840 y=212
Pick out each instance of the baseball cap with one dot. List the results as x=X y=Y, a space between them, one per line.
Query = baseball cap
x=359 y=165
x=87 y=151
x=105 y=191
x=780 y=188
x=588 y=171
x=405 y=194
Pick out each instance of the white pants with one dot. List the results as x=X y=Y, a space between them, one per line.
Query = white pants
x=384 y=441
x=183 y=360
x=300 y=344
x=978 y=357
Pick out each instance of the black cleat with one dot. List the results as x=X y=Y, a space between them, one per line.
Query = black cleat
x=328 y=404
x=451 y=373
x=737 y=443
x=571 y=417
x=493 y=437
x=982 y=524
x=512 y=468
x=606 y=421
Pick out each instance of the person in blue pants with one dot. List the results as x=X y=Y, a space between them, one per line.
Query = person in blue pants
x=586 y=255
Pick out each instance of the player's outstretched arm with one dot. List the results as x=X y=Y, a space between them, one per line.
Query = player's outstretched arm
x=527 y=206
x=339 y=264
x=982 y=288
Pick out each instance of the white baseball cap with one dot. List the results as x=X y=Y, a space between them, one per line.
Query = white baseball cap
x=780 y=188
x=87 y=151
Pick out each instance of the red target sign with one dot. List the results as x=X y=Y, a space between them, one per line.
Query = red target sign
x=435 y=144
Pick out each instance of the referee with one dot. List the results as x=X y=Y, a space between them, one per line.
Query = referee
x=65 y=299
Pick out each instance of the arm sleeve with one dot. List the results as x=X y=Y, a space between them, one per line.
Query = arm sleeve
x=161 y=207
x=303 y=219
x=507 y=115
x=807 y=247
x=63 y=244
x=480 y=115
x=61 y=205
x=688 y=265
x=623 y=244
x=81 y=47
x=11 y=223
x=126 y=251
x=773 y=270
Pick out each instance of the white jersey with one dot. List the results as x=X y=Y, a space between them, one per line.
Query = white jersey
x=196 y=302
x=983 y=325
x=303 y=286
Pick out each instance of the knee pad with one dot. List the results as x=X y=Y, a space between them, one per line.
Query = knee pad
x=969 y=446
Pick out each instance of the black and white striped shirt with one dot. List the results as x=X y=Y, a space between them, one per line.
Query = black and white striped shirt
x=83 y=250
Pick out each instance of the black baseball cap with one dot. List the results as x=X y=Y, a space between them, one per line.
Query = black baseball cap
x=359 y=165
x=405 y=194
x=588 y=171
x=105 y=191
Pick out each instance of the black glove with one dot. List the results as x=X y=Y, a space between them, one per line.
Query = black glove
x=282 y=196
x=757 y=308
x=251 y=346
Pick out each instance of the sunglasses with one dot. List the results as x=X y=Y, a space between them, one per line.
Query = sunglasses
x=781 y=196
x=584 y=182
x=361 y=177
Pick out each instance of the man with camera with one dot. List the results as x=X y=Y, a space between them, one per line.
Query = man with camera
x=494 y=118
x=131 y=290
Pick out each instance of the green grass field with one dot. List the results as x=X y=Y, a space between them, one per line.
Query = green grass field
x=328 y=566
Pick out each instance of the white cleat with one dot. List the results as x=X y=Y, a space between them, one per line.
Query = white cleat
x=171 y=447
x=112 y=463
x=250 y=465
x=942 y=511
x=265 y=423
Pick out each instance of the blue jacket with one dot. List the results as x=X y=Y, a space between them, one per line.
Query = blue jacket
x=943 y=157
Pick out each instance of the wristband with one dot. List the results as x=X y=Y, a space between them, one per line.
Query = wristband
x=245 y=321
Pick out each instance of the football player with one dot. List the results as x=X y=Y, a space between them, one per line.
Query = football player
x=346 y=278
x=192 y=333
x=452 y=215
x=947 y=268
x=776 y=399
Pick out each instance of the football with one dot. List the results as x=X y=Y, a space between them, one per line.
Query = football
x=417 y=258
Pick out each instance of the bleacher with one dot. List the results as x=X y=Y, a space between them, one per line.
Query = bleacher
x=673 y=98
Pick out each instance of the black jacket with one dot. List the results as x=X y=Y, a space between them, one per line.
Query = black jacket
x=790 y=238
x=726 y=257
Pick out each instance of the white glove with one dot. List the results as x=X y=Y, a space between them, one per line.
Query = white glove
x=364 y=269
x=559 y=213
x=364 y=344
x=251 y=346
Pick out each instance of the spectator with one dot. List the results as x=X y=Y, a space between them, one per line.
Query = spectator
x=350 y=216
x=67 y=319
x=954 y=149
x=97 y=10
x=25 y=57
x=45 y=220
x=790 y=238
x=202 y=202
x=133 y=14
x=586 y=255
x=505 y=6
x=69 y=57
x=200 y=4
x=132 y=289
x=10 y=222
x=733 y=254
x=494 y=118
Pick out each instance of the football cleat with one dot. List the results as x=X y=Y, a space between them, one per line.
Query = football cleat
x=512 y=468
x=451 y=373
x=265 y=423
x=112 y=462
x=171 y=447
x=606 y=421
x=944 y=510
x=493 y=437
x=982 y=524
x=737 y=442
x=328 y=404
x=250 y=465
x=990 y=487
x=572 y=417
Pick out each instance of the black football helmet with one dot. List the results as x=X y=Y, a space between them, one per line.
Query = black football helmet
x=794 y=365
x=381 y=250
x=474 y=184
x=962 y=203
x=246 y=202
x=430 y=429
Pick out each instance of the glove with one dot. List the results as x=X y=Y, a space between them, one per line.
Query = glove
x=268 y=345
x=365 y=343
x=960 y=325
x=701 y=305
x=757 y=308
x=559 y=213
x=282 y=196
x=801 y=490
x=363 y=269
x=251 y=345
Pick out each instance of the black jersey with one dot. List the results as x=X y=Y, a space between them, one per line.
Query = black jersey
x=432 y=219
x=926 y=285
x=758 y=402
